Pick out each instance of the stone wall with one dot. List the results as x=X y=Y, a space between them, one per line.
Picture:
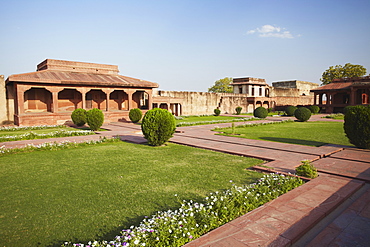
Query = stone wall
x=201 y=103
x=304 y=87
x=195 y=103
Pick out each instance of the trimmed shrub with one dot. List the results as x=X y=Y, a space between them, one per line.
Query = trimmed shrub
x=158 y=126
x=314 y=109
x=269 y=110
x=79 y=117
x=95 y=118
x=238 y=110
x=302 y=114
x=289 y=111
x=357 y=125
x=260 y=112
x=306 y=170
x=135 y=115
x=217 y=112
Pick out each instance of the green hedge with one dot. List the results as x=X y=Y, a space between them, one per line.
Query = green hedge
x=314 y=109
x=357 y=125
x=289 y=111
x=302 y=114
x=158 y=126
x=95 y=118
x=217 y=112
x=78 y=117
x=135 y=115
x=260 y=112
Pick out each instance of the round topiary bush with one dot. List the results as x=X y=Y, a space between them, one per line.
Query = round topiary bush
x=238 y=110
x=314 y=109
x=306 y=170
x=95 y=118
x=158 y=126
x=135 y=115
x=289 y=111
x=78 y=117
x=217 y=112
x=357 y=125
x=302 y=114
x=260 y=112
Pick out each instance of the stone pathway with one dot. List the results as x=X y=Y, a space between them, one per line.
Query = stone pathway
x=331 y=210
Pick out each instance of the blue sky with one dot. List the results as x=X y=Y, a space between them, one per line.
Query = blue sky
x=187 y=45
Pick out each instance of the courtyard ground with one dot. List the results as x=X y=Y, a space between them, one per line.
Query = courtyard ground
x=331 y=210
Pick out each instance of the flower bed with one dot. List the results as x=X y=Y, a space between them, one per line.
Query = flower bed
x=39 y=127
x=192 y=219
x=53 y=146
x=32 y=135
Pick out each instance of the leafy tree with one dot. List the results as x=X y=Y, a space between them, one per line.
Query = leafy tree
x=339 y=71
x=222 y=86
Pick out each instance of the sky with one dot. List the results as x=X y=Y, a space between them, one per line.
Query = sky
x=187 y=45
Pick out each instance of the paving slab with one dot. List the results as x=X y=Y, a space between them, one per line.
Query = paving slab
x=348 y=168
x=350 y=228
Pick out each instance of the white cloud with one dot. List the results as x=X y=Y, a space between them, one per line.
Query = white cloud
x=271 y=31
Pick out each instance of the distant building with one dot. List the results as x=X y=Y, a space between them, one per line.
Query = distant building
x=333 y=97
x=49 y=95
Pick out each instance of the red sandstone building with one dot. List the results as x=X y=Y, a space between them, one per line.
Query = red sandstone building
x=334 y=96
x=49 y=95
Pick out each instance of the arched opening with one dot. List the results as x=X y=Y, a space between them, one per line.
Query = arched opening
x=175 y=109
x=260 y=91
x=365 y=98
x=267 y=92
x=140 y=100
x=96 y=98
x=266 y=104
x=69 y=100
x=38 y=100
x=163 y=106
x=258 y=104
x=118 y=100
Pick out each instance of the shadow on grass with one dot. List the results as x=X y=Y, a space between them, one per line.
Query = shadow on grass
x=294 y=141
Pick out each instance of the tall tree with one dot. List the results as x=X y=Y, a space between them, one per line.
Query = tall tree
x=339 y=71
x=222 y=86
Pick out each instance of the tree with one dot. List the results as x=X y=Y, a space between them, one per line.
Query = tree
x=222 y=86
x=339 y=71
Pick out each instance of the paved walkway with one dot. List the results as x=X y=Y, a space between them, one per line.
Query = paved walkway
x=331 y=210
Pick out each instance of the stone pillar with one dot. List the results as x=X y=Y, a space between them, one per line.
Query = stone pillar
x=3 y=104
x=107 y=93
x=54 y=92
x=150 y=99
x=20 y=89
x=83 y=95
x=352 y=97
x=130 y=92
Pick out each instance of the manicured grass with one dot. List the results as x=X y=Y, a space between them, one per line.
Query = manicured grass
x=205 y=118
x=93 y=192
x=200 y=120
x=302 y=133
x=39 y=131
x=338 y=116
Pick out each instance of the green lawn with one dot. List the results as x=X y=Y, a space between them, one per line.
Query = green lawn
x=38 y=131
x=93 y=192
x=199 y=120
x=302 y=133
x=206 y=118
